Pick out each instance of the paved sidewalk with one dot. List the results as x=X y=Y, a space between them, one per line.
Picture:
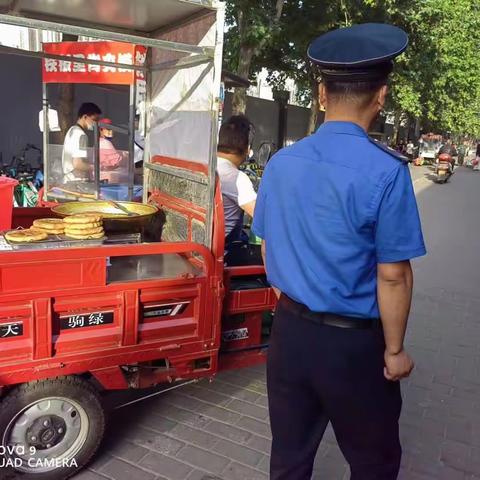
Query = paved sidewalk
x=220 y=430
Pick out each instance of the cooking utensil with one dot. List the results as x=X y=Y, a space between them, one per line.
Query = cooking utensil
x=122 y=208
x=114 y=221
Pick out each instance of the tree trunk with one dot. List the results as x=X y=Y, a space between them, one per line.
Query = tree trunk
x=239 y=101
x=396 y=127
x=418 y=127
x=66 y=97
x=247 y=53
x=314 y=108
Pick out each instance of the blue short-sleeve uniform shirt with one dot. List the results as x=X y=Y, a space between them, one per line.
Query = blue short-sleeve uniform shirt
x=330 y=208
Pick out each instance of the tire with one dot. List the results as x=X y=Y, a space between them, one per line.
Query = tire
x=70 y=410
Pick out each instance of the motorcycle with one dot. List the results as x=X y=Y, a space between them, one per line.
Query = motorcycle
x=29 y=174
x=255 y=165
x=443 y=168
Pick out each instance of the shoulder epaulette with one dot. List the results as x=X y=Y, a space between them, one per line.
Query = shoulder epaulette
x=390 y=151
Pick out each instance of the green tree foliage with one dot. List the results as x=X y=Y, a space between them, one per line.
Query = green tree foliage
x=436 y=82
x=251 y=26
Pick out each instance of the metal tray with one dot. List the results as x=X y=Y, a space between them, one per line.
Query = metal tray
x=55 y=241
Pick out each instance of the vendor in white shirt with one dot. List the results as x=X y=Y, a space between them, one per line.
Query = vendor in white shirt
x=237 y=189
x=75 y=163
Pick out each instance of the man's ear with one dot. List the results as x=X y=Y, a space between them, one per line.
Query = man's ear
x=382 y=97
x=322 y=95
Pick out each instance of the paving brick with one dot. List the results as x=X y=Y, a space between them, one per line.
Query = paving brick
x=250 y=374
x=236 y=471
x=409 y=475
x=234 y=391
x=207 y=461
x=128 y=451
x=201 y=475
x=99 y=461
x=183 y=401
x=262 y=400
x=88 y=475
x=260 y=443
x=219 y=413
x=165 y=466
x=155 y=441
x=155 y=421
x=454 y=454
x=119 y=470
x=327 y=467
x=180 y=415
x=209 y=396
x=237 y=452
x=245 y=408
x=460 y=431
x=253 y=385
x=194 y=436
x=435 y=469
x=228 y=431
x=264 y=465
x=255 y=426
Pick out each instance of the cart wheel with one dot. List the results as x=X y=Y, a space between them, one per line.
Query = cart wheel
x=49 y=429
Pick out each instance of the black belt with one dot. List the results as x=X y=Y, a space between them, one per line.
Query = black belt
x=330 y=319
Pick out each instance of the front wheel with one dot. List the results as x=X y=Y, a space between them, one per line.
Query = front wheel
x=49 y=429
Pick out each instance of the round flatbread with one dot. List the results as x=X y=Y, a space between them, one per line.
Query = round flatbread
x=26 y=236
x=85 y=237
x=49 y=223
x=85 y=231
x=80 y=218
x=79 y=227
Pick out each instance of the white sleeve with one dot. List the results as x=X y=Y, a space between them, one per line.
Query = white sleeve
x=79 y=145
x=246 y=192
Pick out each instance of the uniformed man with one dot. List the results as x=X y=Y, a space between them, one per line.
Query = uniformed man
x=339 y=223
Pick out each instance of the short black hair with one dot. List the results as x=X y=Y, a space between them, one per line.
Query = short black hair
x=358 y=92
x=234 y=136
x=88 y=109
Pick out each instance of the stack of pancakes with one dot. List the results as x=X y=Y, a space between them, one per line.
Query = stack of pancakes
x=86 y=226
x=50 y=226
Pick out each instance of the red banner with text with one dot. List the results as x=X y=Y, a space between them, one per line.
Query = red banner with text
x=66 y=71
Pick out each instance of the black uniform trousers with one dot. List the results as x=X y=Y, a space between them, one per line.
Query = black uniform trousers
x=318 y=374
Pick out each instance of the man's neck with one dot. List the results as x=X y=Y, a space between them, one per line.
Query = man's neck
x=82 y=124
x=338 y=115
x=235 y=160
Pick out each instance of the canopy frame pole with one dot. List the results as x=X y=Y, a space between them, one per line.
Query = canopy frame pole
x=96 y=159
x=45 y=138
x=212 y=167
x=131 y=138
x=104 y=34
x=187 y=62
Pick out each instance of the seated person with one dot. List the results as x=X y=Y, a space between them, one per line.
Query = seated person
x=238 y=193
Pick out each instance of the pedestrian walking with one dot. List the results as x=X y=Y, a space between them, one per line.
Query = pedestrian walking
x=339 y=222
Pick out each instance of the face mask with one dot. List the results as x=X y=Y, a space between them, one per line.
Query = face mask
x=90 y=123
x=108 y=135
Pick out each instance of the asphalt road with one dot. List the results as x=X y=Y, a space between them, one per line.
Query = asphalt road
x=220 y=430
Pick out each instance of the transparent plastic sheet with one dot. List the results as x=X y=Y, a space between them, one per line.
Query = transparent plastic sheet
x=182 y=100
x=182 y=124
x=114 y=171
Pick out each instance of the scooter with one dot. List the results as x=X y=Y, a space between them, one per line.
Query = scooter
x=443 y=168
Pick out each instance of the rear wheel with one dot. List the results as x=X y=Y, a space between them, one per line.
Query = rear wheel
x=50 y=429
